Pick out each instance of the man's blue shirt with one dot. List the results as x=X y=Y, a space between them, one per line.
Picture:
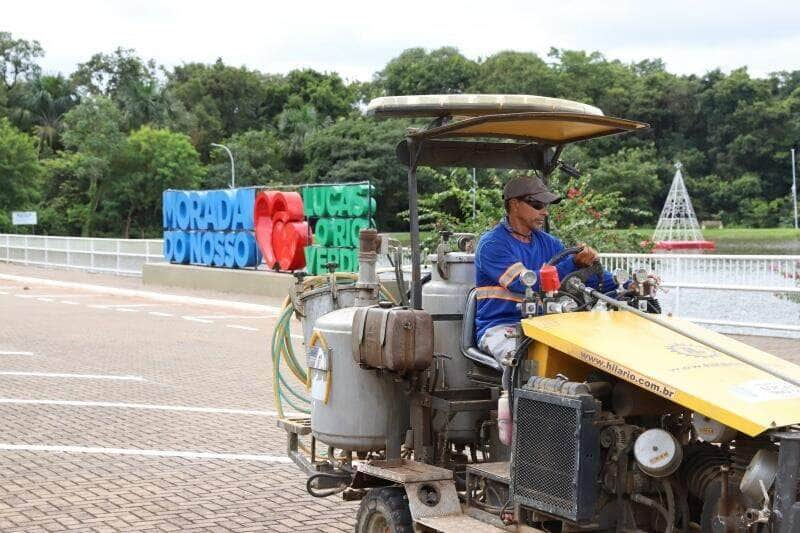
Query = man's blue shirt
x=500 y=259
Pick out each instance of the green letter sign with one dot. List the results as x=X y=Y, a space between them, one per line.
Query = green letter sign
x=341 y=212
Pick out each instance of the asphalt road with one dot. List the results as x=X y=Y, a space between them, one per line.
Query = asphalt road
x=125 y=413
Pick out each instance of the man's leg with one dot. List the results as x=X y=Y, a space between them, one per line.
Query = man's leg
x=500 y=342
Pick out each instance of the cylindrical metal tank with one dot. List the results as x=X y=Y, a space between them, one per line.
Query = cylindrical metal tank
x=448 y=296
x=320 y=301
x=367 y=410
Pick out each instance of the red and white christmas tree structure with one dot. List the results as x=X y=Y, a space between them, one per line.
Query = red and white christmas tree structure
x=677 y=227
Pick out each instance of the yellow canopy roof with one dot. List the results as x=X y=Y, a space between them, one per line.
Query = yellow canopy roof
x=540 y=119
x=547 y=128
x=442 y=105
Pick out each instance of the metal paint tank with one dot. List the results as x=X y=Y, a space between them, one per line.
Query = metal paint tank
x=448 y=296
x=320 y=301
x=367 y=410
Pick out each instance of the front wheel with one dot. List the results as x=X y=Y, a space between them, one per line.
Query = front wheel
x=384 y=510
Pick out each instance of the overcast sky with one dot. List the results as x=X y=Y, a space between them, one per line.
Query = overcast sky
x=356 y=38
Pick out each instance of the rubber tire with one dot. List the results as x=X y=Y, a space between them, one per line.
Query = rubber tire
x=390 y=503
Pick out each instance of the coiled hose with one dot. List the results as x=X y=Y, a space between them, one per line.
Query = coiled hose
x=283 y=353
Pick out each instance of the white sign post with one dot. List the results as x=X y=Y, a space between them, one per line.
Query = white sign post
x=23 y=218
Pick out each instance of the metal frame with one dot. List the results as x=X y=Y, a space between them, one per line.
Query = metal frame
x=542 y=158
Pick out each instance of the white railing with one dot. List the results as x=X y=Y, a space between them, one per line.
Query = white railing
x=743 y=292
x=115 y=256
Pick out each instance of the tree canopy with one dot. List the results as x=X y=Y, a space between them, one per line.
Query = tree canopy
x=91 y=151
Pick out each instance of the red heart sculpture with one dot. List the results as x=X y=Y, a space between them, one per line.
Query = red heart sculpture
x=281 y=233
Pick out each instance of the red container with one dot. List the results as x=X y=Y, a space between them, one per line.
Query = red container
x=548 y=279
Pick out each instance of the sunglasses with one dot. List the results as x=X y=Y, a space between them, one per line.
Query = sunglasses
x=536 y=204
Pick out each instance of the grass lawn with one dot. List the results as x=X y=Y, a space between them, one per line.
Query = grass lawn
x=770 y=234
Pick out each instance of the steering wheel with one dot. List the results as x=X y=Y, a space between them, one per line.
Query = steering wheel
x=582 y=274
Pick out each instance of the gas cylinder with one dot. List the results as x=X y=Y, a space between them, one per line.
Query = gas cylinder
x=445 y=297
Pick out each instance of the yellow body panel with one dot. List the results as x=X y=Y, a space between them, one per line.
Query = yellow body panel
x=672 y=366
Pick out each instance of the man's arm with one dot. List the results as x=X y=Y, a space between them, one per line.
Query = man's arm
x=498 y=262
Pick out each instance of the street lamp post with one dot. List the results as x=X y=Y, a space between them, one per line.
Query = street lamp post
x=794 y=188
x=230 y=155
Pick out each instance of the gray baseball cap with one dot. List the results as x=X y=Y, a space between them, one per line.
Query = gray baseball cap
x=529 y=186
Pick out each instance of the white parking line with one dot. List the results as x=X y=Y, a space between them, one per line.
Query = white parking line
x=125 y=310
x=157 y=296
x=3 y=292
x=45 y=299
x=159 y=313
x=115 y=306
x=201 y=320
x=77 y=376
x=221 y=317
x=277 y=459
x=145 y=406
x=69 y=302
x=3 y=352
x=246 y=328
x=55 y=295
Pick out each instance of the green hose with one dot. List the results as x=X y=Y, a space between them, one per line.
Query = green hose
x=292 y=391
x=282 y=349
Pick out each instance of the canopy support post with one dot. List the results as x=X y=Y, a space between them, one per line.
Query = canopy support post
x=413 y=216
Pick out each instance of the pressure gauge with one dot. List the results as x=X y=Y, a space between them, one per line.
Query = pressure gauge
x=640 y=276
x=621 y=276
x=528 y=278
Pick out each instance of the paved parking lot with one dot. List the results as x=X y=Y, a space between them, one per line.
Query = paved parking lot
x=125 y=413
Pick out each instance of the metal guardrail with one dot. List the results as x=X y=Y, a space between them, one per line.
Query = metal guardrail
x=722 y=290
x=123 y=257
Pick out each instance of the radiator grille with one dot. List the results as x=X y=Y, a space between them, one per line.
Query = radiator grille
x=555 y=460
x=545 y=472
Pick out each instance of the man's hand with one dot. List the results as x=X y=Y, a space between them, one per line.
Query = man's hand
x=585 y=257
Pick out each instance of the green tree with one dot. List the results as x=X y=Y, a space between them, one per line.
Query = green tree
x=154 y=160
x=416 y=71
x=225 y=100
x=356 y=149
x=295 y=123
x=258 y=157
x=588 y=216
x=511 y=72
x=129 y=81
x=93 y=128
x=18 y=59
x=633 y=174
x=20 y=172
x=65 y=203
x=325 y=92
x=17 y=66
x=48 y=98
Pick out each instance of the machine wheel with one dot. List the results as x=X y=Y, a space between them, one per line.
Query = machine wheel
x=384 y=510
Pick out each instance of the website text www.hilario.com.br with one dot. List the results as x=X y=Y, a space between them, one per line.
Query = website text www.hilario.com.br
x=627 y=374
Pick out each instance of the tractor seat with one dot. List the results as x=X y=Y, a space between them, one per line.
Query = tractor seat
x=468 y=347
